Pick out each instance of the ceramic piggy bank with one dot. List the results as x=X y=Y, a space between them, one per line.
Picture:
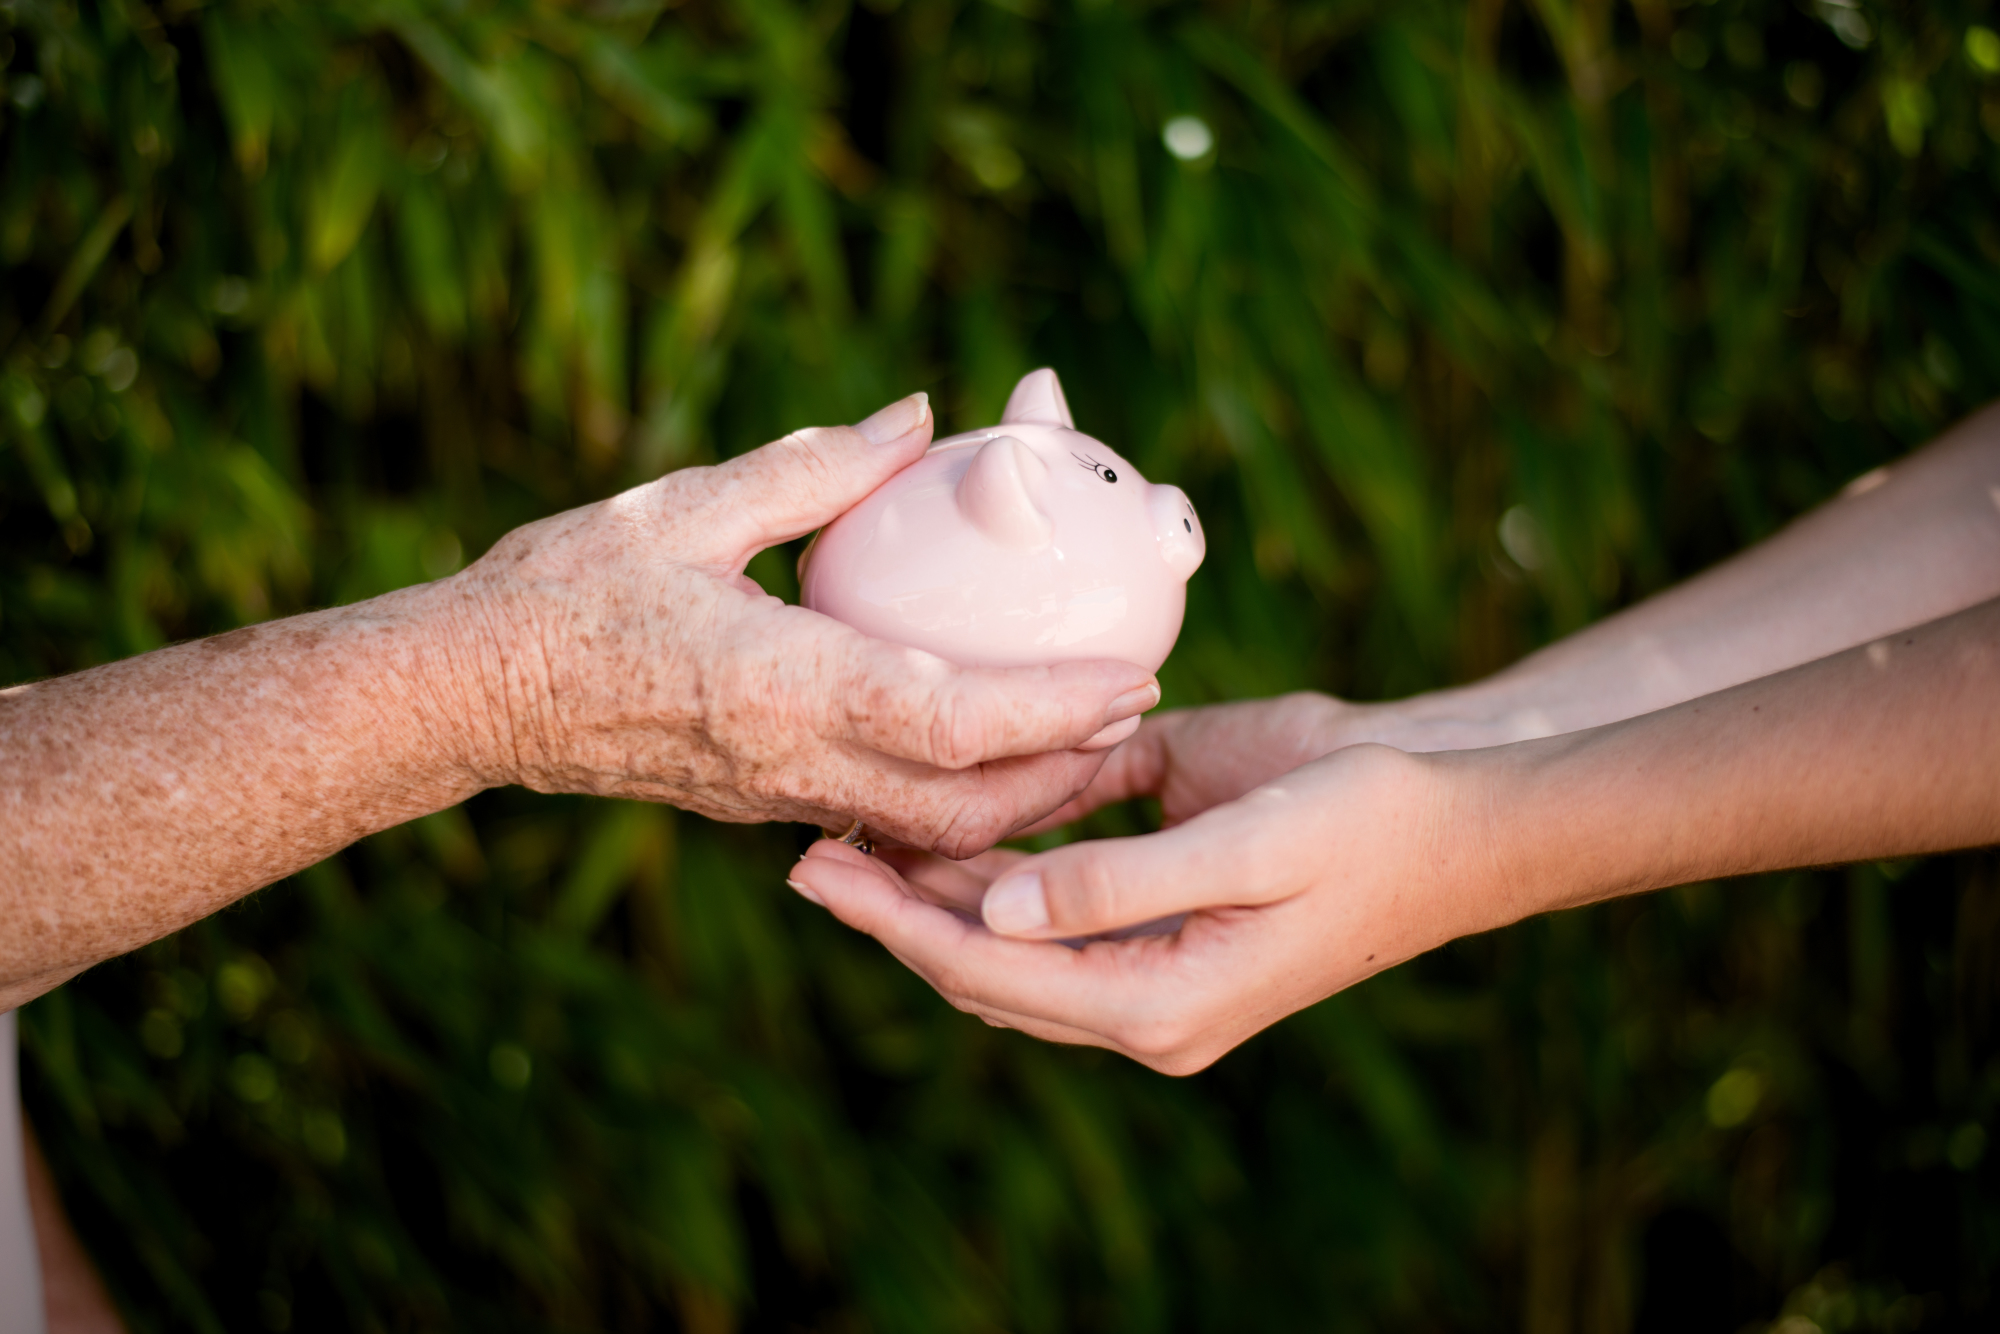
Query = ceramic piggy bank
x=1025 y=543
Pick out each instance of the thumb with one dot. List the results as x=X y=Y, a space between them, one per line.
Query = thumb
x=1221 y=858
x=812 y=476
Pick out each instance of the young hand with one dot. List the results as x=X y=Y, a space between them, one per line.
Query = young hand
x=1354 y=861
x=1332 y=872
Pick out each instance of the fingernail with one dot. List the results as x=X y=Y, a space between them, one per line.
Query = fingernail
x=897 y=420
x=1109 y=735
x=1133 y=702
x=1017 y=905
x=806 y=893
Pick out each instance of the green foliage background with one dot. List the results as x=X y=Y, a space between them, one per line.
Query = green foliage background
x=303 y=302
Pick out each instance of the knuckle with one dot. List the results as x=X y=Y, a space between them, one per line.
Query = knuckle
x=765 y=785
x=1097 y=893
x=957 y=733
x=695 y=489
x=683 y=486
x=810 y=452
x=956 y=848
x=968 y=832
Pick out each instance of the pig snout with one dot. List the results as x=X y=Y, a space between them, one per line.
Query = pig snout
x=1176 y=529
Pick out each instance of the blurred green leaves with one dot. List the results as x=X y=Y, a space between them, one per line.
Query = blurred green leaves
x=1463 y=324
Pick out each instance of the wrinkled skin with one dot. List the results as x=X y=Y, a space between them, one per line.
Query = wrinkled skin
x=614 y=649
x=626 y=654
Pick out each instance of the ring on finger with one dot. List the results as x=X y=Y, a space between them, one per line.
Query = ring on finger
x=857 y=837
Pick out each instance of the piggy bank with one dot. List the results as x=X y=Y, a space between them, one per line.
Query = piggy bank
x=1025 y=543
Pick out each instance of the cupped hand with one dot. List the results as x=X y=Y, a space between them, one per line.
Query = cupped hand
x=619 y=649
x=1299 y=887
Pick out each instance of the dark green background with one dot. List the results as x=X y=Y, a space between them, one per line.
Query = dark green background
x=303 y=302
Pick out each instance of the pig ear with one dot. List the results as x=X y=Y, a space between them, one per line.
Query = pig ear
x=1039 y=399
x=1001 y=492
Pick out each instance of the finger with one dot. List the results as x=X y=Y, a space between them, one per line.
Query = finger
x=858 y=888
x=1108 y=736
x=1034 y=1025
x=948 y=883
x=1220 y=858
x=1133 y=996
x=916 y=706
x=1136 y=768
x=961 y=814
x=955 y=813
x=1048 y=1030
x=871 y=896
x=806 y=480
x=961 y=885
x=936 y=880
x=887 y=866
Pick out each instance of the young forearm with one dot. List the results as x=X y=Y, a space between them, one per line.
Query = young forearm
x=145 y=794
x=1888 y=749
x=1909 y=544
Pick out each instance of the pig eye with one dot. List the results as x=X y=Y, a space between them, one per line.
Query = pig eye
x=1086 y=461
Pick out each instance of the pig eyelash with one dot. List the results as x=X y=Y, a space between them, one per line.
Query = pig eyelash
x=1095 y=467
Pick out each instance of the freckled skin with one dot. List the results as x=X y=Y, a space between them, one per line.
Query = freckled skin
x=616 y=649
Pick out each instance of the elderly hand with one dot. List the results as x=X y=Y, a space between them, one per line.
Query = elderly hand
x=614 y=649
x=620 y=649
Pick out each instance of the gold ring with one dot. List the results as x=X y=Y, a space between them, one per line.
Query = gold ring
x=855 y=838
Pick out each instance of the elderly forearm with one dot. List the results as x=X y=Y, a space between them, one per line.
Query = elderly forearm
x=1888 y=749
x=1905 y=545
x=139 y=796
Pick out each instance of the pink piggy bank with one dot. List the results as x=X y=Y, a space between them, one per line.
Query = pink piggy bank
x=1025 y=543
x=1017 y=545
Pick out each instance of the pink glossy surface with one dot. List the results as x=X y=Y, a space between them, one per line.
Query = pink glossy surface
x=1024 y=543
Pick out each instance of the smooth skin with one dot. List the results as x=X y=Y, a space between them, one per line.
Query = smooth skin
x=1831 y=695
x=616 y=649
